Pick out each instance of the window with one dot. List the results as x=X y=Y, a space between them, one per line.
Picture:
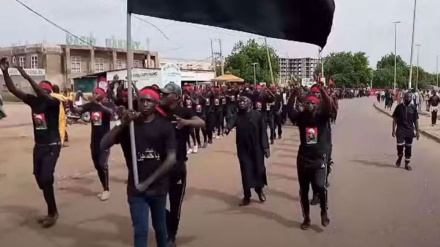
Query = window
x=14 y=60
x=34 y=62
x=75 y=64
x=137 y=64
x=120 y=64
x=99 y=65
x=22 y=62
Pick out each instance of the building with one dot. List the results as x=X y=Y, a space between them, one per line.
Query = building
x=299 y=68
x=187 y=64
x=59 y=64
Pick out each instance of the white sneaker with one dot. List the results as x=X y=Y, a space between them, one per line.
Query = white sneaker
x=189 y=151
x=218 y=137
x=195 y=149
x=105 y=195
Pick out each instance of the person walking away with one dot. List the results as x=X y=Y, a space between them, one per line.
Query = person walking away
x=432 y=106
x=100 y=114
x=405 y=122
x=2 y=111
x=276 y=110
x=45 y=118
x=155 y=144
x=252 y=146
x=312 y=120
x=184 y=120
x=285 y=96
x=63 y=118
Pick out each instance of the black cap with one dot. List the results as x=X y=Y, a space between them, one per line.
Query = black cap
x=172 y=88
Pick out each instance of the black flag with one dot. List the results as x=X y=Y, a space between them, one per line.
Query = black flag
x=308 y=21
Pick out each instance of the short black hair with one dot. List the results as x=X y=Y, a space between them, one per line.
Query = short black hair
x=56 y=89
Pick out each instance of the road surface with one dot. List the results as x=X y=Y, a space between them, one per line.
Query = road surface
x=372 y=203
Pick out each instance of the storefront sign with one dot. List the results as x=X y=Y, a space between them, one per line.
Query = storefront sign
x=109 y=42
x=31 y=72
x=171 y=73
x=140 y=77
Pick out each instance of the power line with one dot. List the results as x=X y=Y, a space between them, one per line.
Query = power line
x=51 y=22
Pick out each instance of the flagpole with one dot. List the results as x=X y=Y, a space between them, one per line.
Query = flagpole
x=270 y=63
x=130 y=99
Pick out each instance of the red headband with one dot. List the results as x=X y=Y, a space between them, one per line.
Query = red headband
x=314 y=89
x=45 y=85
x=312 y=98
x=124 y=92
x=151 y=92
x=99 y=91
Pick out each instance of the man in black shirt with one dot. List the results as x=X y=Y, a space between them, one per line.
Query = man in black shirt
x=312 y=122
x=432 y=103
x=45 y=119
x=156 y=154
x=101 y=114
x=184 y=119
x=405 y=120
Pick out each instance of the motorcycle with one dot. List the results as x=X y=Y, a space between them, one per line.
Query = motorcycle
x=73 y=118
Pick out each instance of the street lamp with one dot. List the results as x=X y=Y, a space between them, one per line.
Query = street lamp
x=255 y=73
x=395 y=53
x=417 y=76
x=437 y=69
x=412 y=44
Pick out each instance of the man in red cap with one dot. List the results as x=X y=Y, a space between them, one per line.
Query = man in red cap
x=312 y=118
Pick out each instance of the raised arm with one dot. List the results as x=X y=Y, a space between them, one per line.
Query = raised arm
x=4 y=66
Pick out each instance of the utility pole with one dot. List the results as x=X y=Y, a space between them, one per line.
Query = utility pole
x=255 y=73
x=437 y=69
x=214 y=63
x=221 y=57
x=148 y=44
x=395 y=54
x=417 y=75
x=412 y=45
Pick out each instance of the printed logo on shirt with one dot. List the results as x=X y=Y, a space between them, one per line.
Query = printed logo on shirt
x=96 y=118
x=208 y=102
x=311 y=135
x=198 y=108
x=216 y=102
x=223 y=101
x=40 y=121
x=188 y=103
x=233 y=98
x=258 y=105
x=148 y=154
x=268 y=105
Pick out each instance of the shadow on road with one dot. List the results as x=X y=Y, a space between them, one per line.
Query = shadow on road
x=374 y=163
x=281 y=176
x=84 y=237
x=282 y=164
x=232 y=202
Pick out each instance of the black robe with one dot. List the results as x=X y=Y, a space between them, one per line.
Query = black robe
x=251 y=140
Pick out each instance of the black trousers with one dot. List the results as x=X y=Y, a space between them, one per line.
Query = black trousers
x=45 y=158
x=434 y=117
x=278 y=121
x=404 y=145
x=270 y=123
x=247 y=192
x=205 y=135
x=219 y=122
x=312 y=173
x=210 y=124
x=100 y=161
x=176 y=194
x=284 y=113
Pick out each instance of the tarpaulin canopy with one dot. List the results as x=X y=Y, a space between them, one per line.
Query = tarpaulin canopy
x=228 y=78
x=308 y=21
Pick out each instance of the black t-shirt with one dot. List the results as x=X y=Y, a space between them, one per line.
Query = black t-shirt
x=405 y=117
x=45 y=118
x=182 y=135
x=314 y=133
x=153 y=142
x=199 y=107
x=217 y=102
x=99 y=119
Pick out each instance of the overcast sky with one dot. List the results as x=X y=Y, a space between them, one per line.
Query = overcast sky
x=358 y=26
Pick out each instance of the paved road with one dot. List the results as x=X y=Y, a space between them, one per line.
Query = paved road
x=372 y=203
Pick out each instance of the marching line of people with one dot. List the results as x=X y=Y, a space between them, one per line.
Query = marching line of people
x=166 y=120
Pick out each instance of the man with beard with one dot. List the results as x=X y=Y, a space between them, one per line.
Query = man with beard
x=433 y=106
x=155 y=145
x=405 y=122
x=252 y=147
x=184 y=119
x=100 y=116
x=312 y=121
x=45 y=116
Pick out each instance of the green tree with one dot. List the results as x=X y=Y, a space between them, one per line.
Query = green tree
x=347 y=69
x=240 y=62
